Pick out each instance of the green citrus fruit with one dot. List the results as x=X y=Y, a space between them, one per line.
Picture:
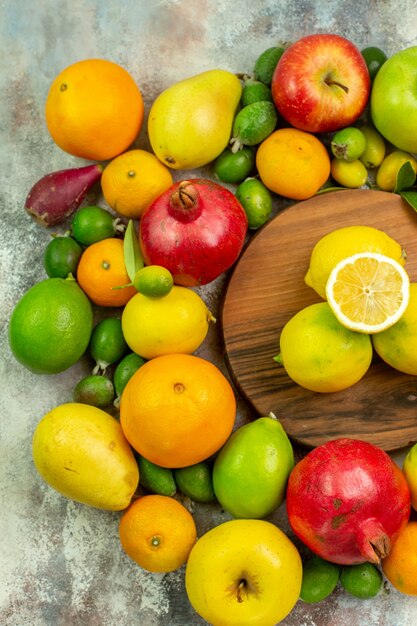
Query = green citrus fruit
x=195 y=481
x=256 y=200
x=107 y=343
x=253 y=124
x=94 y=390
x=156 y=479
x=255 y=91
x=50 y=326
x=91 y=224
x=348 y=143
x=363 y=580
x=266 y=63
x=320 y=578
x=61 y=257
x=374 y=59
x=233 y=167
x=125 y=370
x=154 y=281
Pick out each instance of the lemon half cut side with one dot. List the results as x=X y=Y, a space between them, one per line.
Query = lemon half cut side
x=368 y=292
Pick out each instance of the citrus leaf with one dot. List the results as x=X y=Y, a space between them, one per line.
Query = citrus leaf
x=405 y=178
x=132 y=253
x=410 y=197
x=327 y=189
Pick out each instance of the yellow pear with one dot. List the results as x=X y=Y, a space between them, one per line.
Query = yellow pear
x=190 y=123
x=81 y=451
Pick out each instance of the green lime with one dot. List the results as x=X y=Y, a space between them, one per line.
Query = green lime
x=95 y=390
x=50 y=326
x=61 y=257
x=374 y=59
x=255 y=91
x=233 y=167
x=156 y=479
x=124 y=372
x=363 y=580
x=107 y=343
x=256 y=201
x=153 y=281
x=320 y=578
x=348 y=143
x=93 y=223
x=266 y=63
x=253 y=124
x=196 y=482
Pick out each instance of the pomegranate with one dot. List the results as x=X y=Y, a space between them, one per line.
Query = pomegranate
x=347 y=501
x=196 y=229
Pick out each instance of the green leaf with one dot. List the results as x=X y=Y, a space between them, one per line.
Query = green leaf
x=132 y=252
x=405 y=178
x=410 y=197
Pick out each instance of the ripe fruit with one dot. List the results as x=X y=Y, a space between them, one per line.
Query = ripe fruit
x=190 y=123
x=50 y=326
x=321 y=83
x=255 y=91
x=81 y=451
x=196 y=229
x=93 y=223
x=374 y=152
x=244 y=572
x=154 y=281
x=196 y=482
x=133 y=180
x=374 y=59
x=124 y=372
x=61 y=257
x=251 y=471
x=351 y=174
x=157 y=532
x=321 y=354
x=102 y=273
x=94 y=109
x=256 y=201
x=368 y=292
x=177 y=410
x=401 y=564
x=347 y=501
x=94 y=389
x=410 y=473
x=156 y=479
x=344 y=242
x=363 y=580
x=254 y=123
x=266 y=63
x=233 y=167
x=293 y=163
x=348 y=144
x=394 y=102
x=386 y=176
x=107 y=343
x=320 y=578
x=175 y=323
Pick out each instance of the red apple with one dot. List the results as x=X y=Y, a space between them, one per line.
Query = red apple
x=321 y=83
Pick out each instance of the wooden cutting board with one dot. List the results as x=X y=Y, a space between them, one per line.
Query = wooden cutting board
x=267 y=287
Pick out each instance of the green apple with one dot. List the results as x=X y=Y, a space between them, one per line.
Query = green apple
x=245 y=573
x=394 y=100
x=250 y=473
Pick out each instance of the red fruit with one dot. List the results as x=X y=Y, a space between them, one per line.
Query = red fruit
x=196 y=229
x=58 y=194
x=347 y=501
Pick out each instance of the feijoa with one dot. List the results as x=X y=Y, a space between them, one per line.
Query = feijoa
x=266 y=63
x=107 y=343
x=156 y=479
x=253 y=124
x=255 y=91
x=95 y=390
x=256 y=200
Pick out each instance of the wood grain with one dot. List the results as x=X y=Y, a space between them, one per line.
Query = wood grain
x=267 y=287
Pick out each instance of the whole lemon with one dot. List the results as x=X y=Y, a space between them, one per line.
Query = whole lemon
x=342 y=243
x=320 y=354
x=175 y=323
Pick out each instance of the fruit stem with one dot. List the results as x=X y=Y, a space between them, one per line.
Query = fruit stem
x=278 y=358
x=184 y=202
x=240 y=587
x=373 y=542
x=335 y=82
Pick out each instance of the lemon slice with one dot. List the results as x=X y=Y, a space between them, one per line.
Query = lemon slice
x=368 y=292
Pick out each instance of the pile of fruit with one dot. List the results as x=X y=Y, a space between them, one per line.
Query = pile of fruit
x=153 y=424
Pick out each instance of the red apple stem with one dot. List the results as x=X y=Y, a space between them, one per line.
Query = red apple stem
x=335 y=82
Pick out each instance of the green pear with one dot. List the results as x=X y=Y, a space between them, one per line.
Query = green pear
x=190 y=123
x=250 y=473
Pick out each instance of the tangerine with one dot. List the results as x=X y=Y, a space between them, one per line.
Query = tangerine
x=177 y=410
x=101 y=273
x=157 y=532
x=400 y=566
x=94 y=109
x=293 y=163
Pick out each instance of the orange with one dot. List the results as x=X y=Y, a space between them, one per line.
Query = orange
x=400 y=566
x=133 y=180
x=94 y=109
x=158 y=533
x=177 y=410
x=101 y=271
x=293 y=163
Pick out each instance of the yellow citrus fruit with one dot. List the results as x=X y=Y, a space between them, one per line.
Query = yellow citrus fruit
x=94 y=109
x=368 y=292
x=400 y=566
x=157 y=532
x=397 y=345
x=410 y=473
x=343 y=242
x=101 y=272
x=319 y=353
x=133 y=180
x=175 y=323
x=177 y=410
x=293 y=163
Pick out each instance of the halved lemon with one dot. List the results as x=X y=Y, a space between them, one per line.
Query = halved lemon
x=368 y=292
